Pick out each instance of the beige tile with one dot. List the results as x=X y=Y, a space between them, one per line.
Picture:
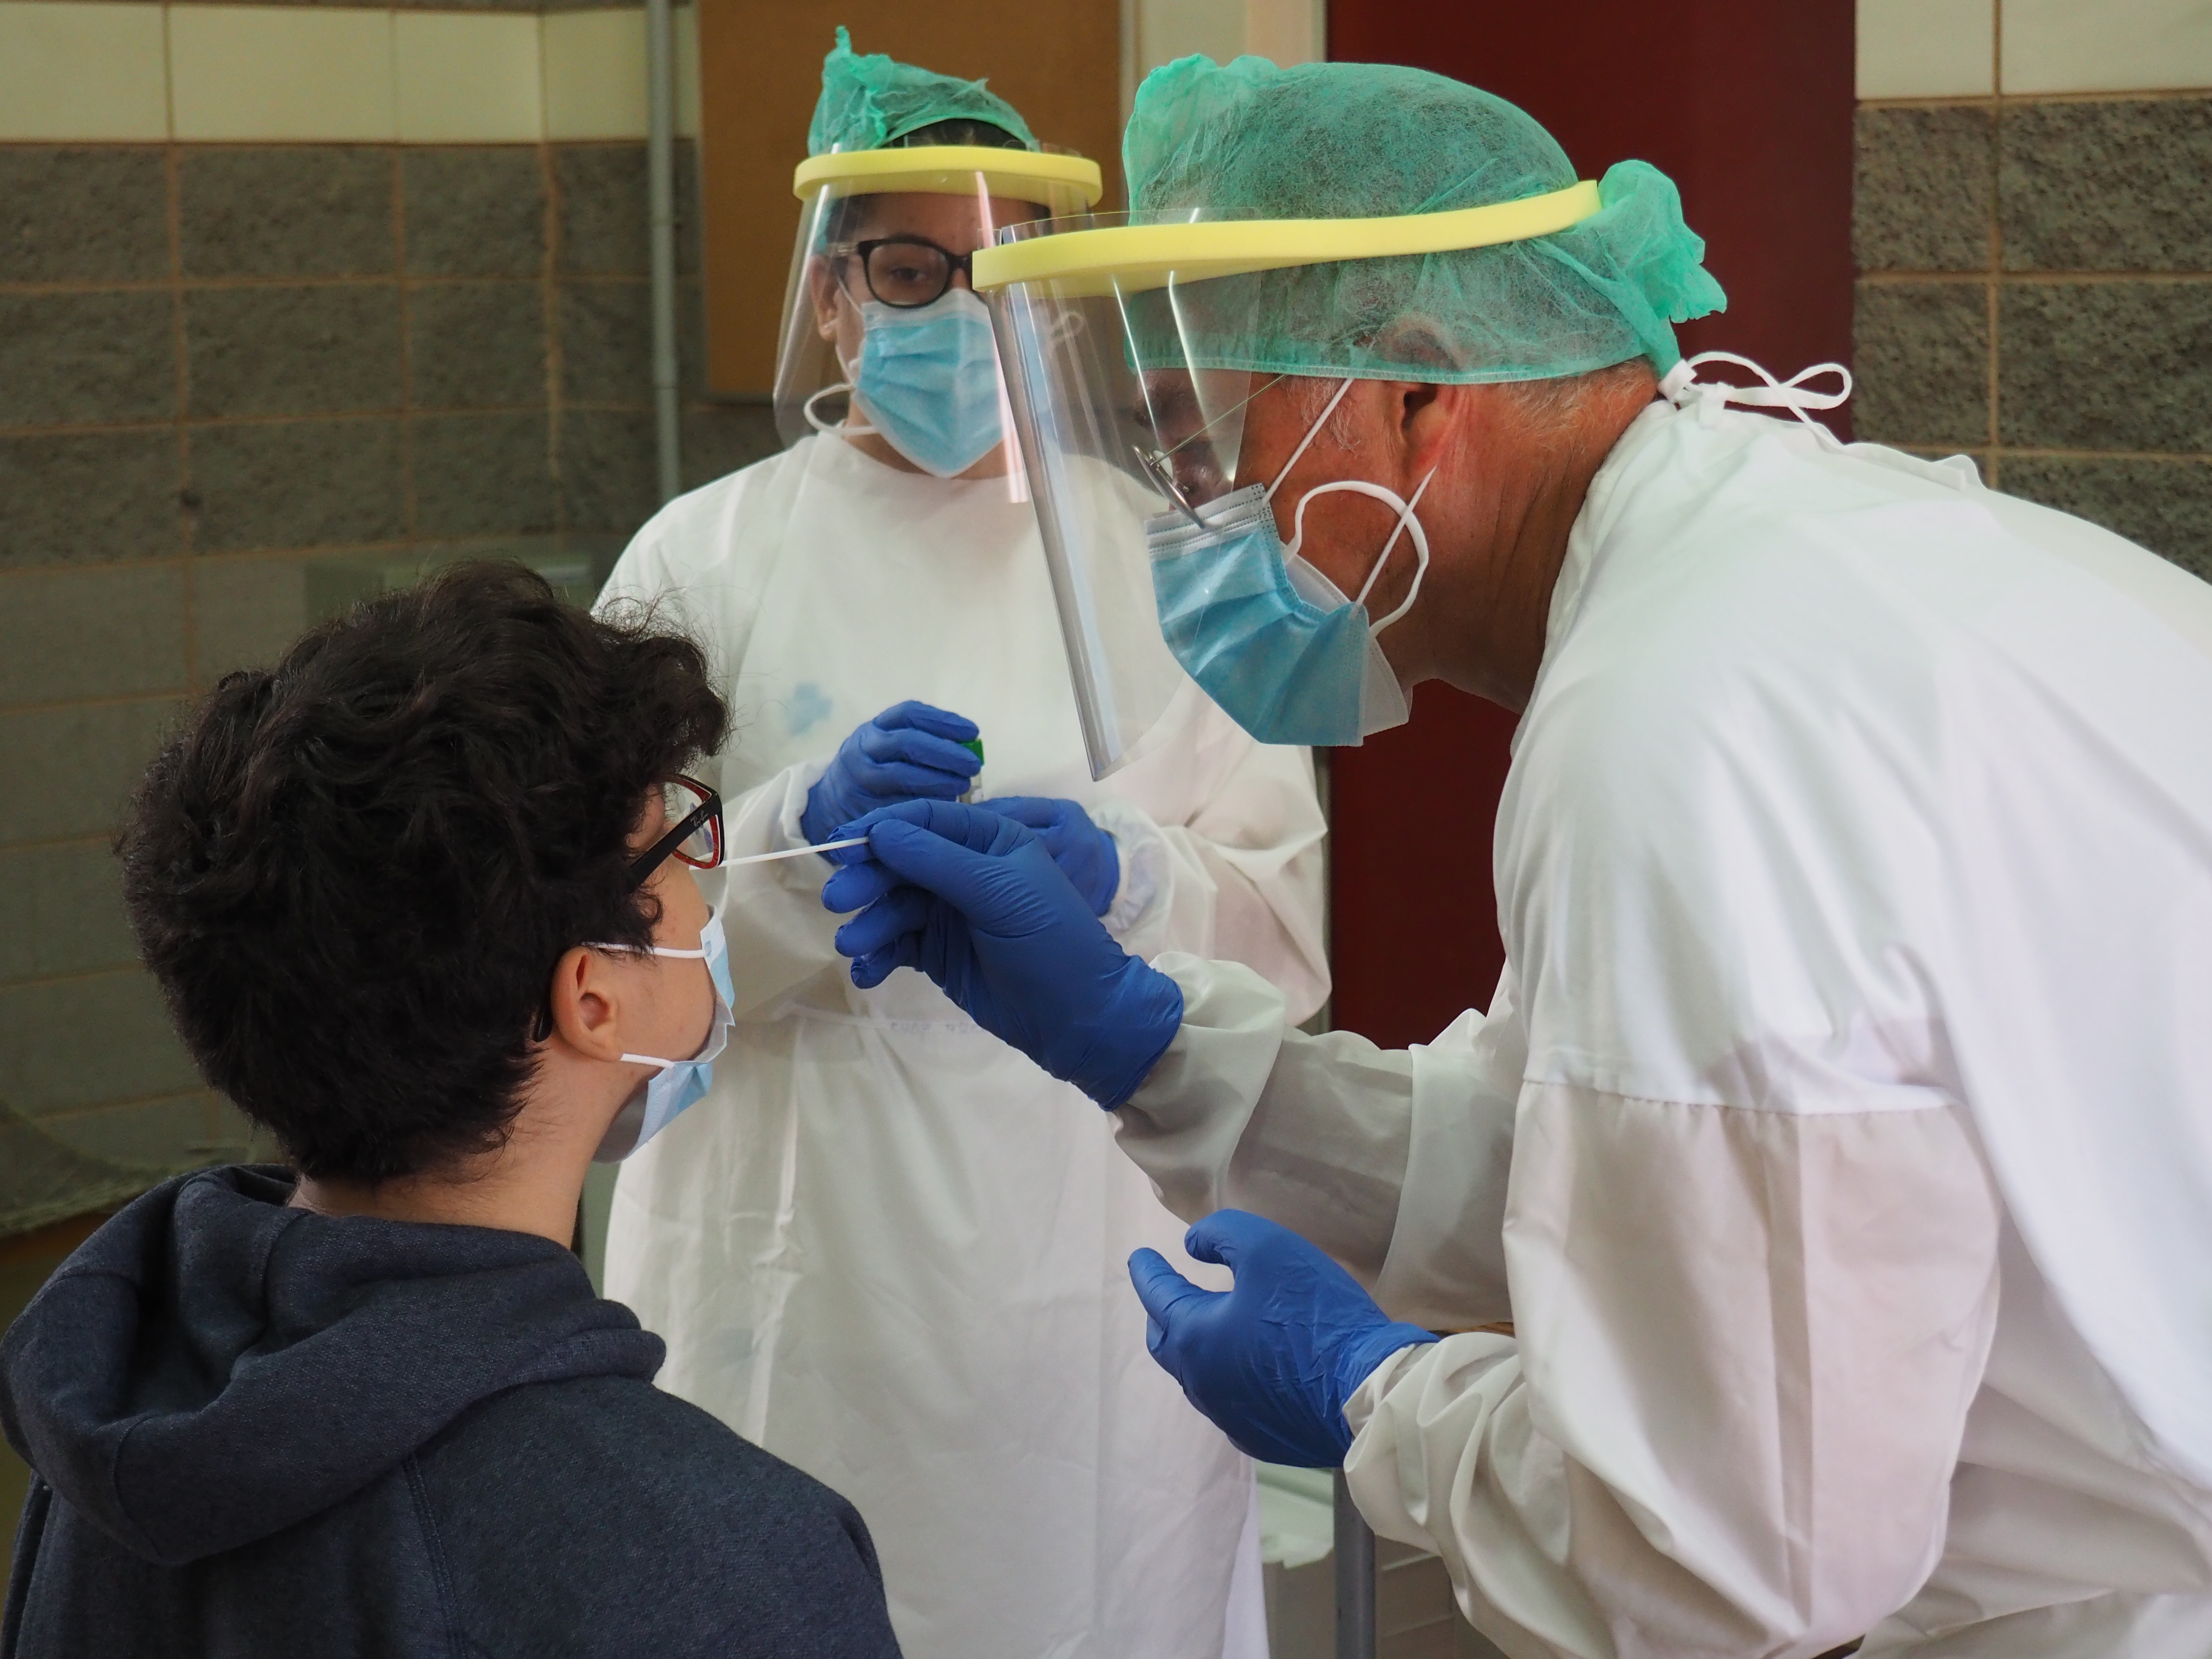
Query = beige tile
x=1926 y=48
x=276 y=73
x=594 y=74
x=81 y=71
x=2106 y=45
x=1286 y=32
x=687 y=71
x=469 y=78
x=1168 y=29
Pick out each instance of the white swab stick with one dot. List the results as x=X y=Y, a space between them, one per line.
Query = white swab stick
x=795 y=852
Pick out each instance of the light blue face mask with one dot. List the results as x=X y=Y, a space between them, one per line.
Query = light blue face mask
x=678 y=1083
x=1264 y=633
x=929 y=376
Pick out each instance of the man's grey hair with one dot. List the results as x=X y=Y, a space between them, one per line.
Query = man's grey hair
x=1554 y=405
x=1548 y=406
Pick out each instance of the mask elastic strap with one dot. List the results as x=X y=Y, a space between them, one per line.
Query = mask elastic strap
x=1681 y=383
x=844 y=427
x=1406 y=520
x=718 y=1036
x=1312 y=432
x=699 y=955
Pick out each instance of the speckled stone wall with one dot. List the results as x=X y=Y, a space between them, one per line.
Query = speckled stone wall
x=2036 y=291
x=240 y=384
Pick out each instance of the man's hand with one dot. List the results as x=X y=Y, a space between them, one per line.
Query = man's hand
x=973 y=899
x=1084 y=853
x=1272 y=1362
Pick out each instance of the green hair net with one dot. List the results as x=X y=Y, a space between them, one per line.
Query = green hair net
x=871 y=102
x=1335 y=141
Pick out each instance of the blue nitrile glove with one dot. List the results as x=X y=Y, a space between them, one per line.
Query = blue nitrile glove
x=909 y=752
x=1272 y=1362
x=973 y=900
x=1084 y=852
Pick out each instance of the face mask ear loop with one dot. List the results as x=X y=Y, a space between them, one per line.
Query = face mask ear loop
x=1406 y=522
x=845 y=428
x=848 y=428
x=1312 y=432
x=1388 y=497
x=699 y=955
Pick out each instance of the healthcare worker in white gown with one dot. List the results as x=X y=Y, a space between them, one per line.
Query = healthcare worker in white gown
x=884 y=1246
x=1838 y=1141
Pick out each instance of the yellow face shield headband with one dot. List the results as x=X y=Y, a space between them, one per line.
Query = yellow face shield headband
x=1133 y=258
x=1019 y=175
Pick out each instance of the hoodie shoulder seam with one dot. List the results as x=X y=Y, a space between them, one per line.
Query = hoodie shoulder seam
x=447 y=1602
x=265 y=1251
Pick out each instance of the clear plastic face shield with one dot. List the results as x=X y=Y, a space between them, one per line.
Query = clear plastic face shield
x=1123 y=336
x=884 y=339
x=1122 y=417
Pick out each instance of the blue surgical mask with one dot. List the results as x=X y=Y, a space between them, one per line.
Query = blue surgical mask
x=678 y=1083
x=1266 y=635
x=929 y=376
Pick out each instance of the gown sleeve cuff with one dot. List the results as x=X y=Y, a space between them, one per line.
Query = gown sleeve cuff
x=1146 y=866
x=1183 y=1125
x=784 y=831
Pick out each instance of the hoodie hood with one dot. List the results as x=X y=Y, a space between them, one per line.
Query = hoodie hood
x=211 y=1367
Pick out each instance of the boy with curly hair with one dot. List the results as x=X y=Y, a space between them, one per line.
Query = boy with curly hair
x=418 y=906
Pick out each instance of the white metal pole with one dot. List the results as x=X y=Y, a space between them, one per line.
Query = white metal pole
x=661 y=185
x=1355 y=1578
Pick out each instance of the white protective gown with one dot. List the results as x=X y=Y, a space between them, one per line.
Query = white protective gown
x=1839 y=1140
x=885 y=1245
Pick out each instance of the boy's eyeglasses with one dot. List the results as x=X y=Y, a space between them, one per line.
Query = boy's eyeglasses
x=694 y=814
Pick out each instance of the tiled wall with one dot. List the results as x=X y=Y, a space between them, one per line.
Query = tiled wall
x=2035 y=237
x=241 y=382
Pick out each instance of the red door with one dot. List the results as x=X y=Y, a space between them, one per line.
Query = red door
x=1747 y=105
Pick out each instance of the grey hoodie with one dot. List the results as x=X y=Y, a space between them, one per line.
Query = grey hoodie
x=259 y=1431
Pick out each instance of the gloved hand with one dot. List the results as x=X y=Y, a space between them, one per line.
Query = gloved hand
x=973 y=900
x=1272 y=1362
x=910 y=751
x=1084 y=852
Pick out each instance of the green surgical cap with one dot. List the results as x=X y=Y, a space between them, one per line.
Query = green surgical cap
x=868 y=103
x=1333 y=141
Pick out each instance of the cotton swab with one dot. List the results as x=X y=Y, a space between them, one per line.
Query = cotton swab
x=794 y=852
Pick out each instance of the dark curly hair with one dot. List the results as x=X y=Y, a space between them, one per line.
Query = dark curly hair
x=353 y=875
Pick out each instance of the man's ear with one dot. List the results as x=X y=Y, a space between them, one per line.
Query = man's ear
x=1429 y=418
x=586 y=1004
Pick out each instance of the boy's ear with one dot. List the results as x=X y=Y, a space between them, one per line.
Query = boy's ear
x=586 y=1004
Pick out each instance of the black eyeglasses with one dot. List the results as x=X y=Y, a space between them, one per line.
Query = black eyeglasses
x=906 y=271
x=694 y=813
